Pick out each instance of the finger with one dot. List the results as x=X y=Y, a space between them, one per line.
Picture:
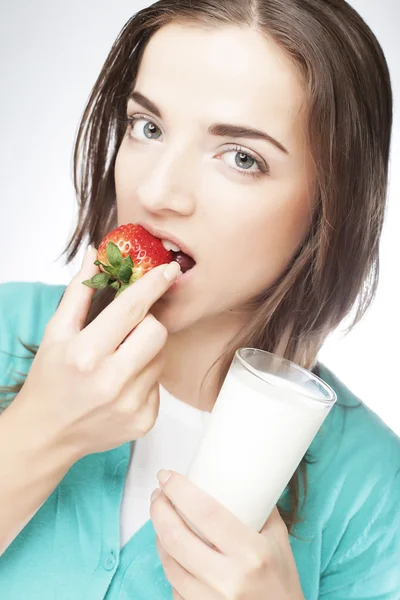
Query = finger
x=185 y=585
x=215 y=522
x=75 y=303
x=205 y=564
x=141 y=346
x=117 y=320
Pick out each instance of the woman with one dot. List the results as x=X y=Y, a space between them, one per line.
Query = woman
x=284 y=225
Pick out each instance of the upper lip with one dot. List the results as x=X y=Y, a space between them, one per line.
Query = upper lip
x=164 y=235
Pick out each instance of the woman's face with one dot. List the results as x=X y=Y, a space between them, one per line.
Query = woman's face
x=241 y=203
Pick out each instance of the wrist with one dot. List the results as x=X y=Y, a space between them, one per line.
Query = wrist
x=36 y=437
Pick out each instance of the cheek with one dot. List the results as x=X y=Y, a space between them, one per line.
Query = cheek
x=281 y=233
x=259 y=246
x=124 y=184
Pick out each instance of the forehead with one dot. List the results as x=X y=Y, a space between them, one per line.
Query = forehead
x=230 y=74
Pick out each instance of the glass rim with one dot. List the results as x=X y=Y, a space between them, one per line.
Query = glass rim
x=329 y=401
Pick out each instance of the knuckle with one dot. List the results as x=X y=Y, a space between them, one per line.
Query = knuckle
x=128 y=403
x=123 y=411
x=85 y=364
x=157 y=329
x=81 y=362
x=251 y=568
x=145 y=421
x=257 y=561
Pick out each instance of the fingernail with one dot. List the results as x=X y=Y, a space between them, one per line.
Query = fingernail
x=172 y=271
x=163 y=476
x=155 y=494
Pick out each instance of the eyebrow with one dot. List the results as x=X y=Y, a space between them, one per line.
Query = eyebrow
x=217 y=129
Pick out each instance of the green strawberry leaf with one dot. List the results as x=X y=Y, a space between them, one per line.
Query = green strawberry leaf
x=114 y=255
x=98 y=282
x=124 y=274
x=89 y=284
x=128 y=261
x=111 y=270
x=107 y=268
x=115 y=285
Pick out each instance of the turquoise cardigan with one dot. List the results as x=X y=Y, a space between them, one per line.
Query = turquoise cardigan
x=347 y=545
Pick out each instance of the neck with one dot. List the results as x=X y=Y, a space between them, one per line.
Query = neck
x=190 y=353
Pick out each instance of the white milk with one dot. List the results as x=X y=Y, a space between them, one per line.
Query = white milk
x=256 y=436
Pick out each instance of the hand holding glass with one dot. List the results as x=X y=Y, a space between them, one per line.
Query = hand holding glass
x=266 y=415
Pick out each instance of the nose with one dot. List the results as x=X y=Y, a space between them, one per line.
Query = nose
x=168 y=185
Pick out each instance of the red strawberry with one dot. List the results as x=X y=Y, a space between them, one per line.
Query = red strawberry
x=125 y=255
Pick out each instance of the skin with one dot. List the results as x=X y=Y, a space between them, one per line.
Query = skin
x=172 y=174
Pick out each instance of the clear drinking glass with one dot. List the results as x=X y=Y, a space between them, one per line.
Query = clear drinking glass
x=266 y=415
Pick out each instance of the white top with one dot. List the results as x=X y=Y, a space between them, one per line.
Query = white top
x=171 y=444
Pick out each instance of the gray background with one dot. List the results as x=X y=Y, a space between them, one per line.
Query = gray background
x=51 y=54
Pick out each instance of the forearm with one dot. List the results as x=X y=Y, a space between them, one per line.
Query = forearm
x=31 y=466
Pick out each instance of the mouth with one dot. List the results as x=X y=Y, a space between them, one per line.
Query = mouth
x=185 y=261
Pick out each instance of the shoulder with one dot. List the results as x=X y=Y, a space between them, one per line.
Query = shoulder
x=354 y=491
x=25 y=309
x=354 y=432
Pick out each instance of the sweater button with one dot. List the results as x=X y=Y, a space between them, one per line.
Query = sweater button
x=109 y=562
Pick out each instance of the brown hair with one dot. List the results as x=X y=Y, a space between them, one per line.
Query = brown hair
x=349 y=119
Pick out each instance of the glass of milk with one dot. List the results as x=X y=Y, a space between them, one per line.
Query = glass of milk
x=266 y=415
